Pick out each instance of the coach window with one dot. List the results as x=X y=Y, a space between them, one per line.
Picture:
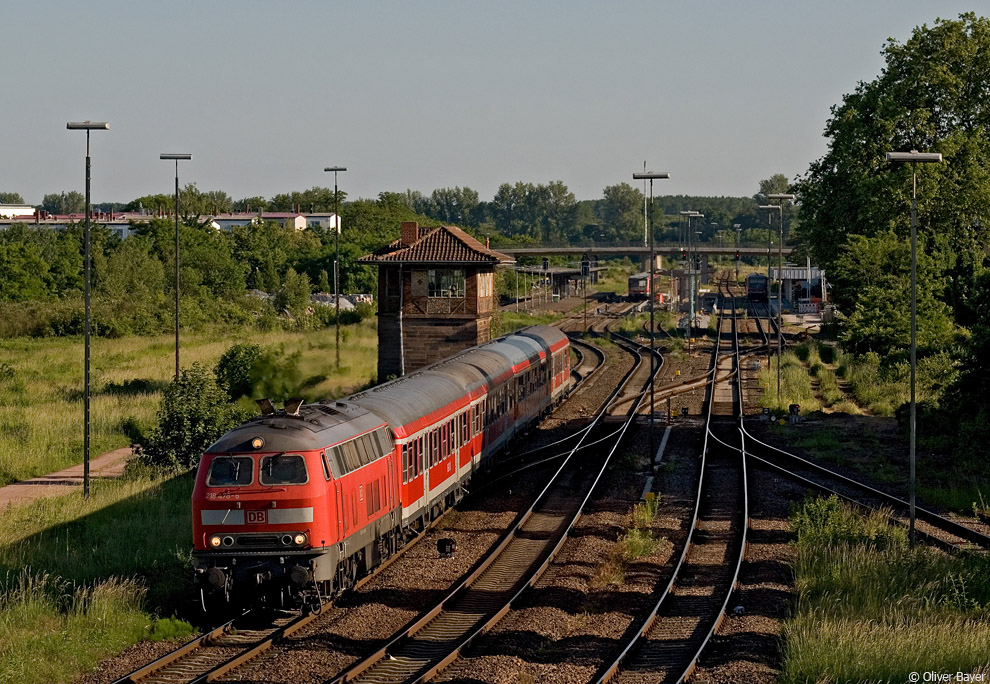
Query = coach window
x=281 y=469
x=230 y=471
x=405 y=463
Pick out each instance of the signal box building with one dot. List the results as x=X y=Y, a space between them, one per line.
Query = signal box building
x=436 y=296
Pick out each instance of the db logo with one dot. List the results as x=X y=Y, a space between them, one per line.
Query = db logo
x=257 y=517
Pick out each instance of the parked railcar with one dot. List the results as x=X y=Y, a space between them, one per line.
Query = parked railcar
x=299 y=503
x=756 y=287
x=641 y=286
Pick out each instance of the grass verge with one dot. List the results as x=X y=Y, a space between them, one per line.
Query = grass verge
x=81 y=579
x=795 y=385
x=41 y=386
x=869 y=609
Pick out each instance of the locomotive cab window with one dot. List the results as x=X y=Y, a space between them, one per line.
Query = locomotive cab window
x=281 y=469
x=230 y=471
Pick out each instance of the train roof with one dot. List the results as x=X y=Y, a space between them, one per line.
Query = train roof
x=408 y=399
x=401 y=402
x=315 y=426
x=548 y=334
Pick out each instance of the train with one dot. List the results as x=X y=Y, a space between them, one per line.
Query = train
x=639 y=285
x=298 y=503
x=756 y=287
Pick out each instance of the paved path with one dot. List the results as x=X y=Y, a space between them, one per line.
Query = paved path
x=110 y=464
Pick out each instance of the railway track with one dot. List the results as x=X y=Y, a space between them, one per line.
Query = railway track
x=667 y=643
x=935 y=529
x=436 y=639
x=214 y=655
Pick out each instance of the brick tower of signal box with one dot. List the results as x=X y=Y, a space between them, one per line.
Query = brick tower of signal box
x=436 y=296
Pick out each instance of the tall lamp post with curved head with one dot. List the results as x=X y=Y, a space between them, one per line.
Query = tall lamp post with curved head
x=87 y=126
x=915 y=158
x=176 y=158
x=651 y=176
x=336 y=259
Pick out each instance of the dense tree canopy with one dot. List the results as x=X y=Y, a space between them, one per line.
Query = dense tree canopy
x=70 y=202
x=931 y=96
x=855 y=208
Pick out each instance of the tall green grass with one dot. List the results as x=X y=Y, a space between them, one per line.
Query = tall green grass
x=871 y=609
x=883 y=388
x=80 y=579
x=795 y=385
x=41 y=386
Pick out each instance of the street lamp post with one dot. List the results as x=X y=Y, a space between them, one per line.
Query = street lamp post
x=86 y=126
x=738 y=227
x=690 y=214
x=914 y=157
x=336 y=260
x=651 y=176
x=780 y=280
x=176 y=158
x=781 y=197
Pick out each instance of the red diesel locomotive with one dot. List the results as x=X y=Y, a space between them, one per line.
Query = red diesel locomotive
x=301 y=502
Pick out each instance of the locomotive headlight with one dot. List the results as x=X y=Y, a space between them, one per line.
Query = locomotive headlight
x=299 y=539
x=215 y=541
x=257 y=443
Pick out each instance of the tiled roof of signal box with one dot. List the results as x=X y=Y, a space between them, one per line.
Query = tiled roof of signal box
x=439 y=244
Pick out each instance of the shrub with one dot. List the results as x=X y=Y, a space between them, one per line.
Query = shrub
x=828 y=521
x=194 y=412
x=233 y=370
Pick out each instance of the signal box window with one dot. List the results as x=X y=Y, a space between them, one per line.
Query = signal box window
x=279 y=470
x=230 y=471
x=446 y=282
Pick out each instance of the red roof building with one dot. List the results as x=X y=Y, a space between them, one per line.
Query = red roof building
x=436 y=296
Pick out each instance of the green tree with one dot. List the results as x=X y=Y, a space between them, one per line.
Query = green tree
x=193 y=414
x=777 y=184
x=152 y=204
x=22 y=272
x=234 y=368
x=928 y=97
x=294 y=293
x=621 y=213
x=323 y=284
x=11 y=198
x=71 y=202
x=251 y=204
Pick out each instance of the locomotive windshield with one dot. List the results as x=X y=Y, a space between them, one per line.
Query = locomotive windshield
x=281 y=469
x=230 y=471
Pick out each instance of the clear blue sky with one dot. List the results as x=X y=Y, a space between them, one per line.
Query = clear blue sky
x=430 y=94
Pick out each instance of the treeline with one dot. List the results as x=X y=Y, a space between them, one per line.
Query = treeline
x=518 y=212
x=549 y=213
x=41 y=273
